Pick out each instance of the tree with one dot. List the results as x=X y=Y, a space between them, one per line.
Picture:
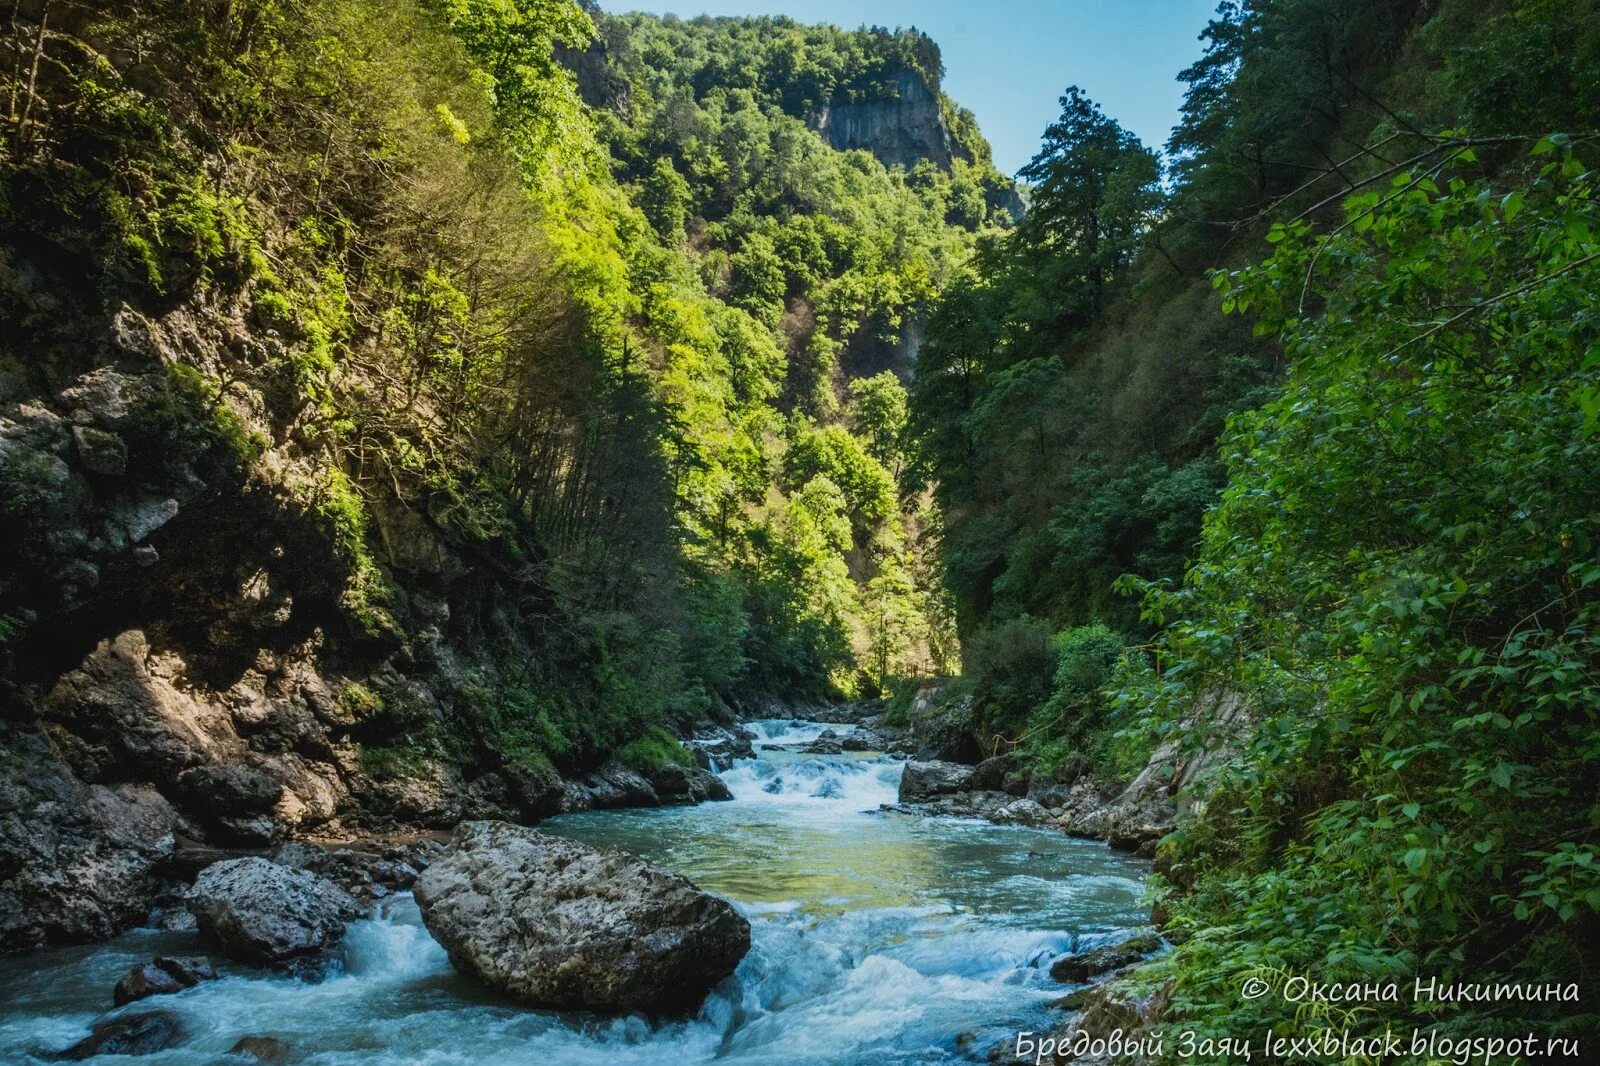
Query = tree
x=1095 y=191
x=666 y=199
x=878 y=410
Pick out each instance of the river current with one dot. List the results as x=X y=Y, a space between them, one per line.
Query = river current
x=878 y=937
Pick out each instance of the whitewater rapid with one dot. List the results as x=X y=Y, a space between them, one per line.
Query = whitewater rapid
x=877 y=937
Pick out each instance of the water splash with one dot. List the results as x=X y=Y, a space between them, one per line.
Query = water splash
x=876 y=938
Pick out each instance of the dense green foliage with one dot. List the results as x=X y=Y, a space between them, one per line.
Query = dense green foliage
x=1390 y=566
x=583 y=312
x=1402 y=577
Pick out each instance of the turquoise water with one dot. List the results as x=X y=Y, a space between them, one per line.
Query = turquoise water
x=877 y=937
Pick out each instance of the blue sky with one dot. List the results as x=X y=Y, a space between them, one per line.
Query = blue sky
x=1009 y=61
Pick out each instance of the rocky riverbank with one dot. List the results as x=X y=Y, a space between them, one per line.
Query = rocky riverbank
x=106 y=818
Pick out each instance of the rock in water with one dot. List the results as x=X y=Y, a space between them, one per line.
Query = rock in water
x=923 y=781
x=687 y=784
x=259 y=911
x=262 y=1049
x=131 y=1034
x=161 y=977
x=145 y=979
x=555 y=923
x=1075 y=969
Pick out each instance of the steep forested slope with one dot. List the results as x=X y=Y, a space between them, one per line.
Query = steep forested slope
x=387 y=427
x=1351 y=489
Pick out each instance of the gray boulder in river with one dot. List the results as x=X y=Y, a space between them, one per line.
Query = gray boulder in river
x=923 y=781
x=554 y=923
x=258 y=911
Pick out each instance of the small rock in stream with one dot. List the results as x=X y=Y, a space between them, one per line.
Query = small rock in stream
x=1076 y=969
x=262 y=1049
x=131 y=1034
x=163 y=976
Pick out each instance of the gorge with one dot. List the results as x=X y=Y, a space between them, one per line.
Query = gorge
x=1044 y=604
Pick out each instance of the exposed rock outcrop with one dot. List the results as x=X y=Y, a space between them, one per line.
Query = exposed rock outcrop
x=78 y=861
x=258 y=911
x=554 y=923
x=1104 y=1010
x=902 y=126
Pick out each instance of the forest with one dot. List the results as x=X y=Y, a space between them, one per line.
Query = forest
x=418 y=409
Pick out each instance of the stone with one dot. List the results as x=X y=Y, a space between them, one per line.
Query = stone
x=676 y=784
x=130 y=1034
x=145 y=979
x=534 y=786
x=163 y=976
x=255 y=910
x=262 y=1049
x=99 y=451
x=611 y=786
x=1021 y=812
x=553 y=923
x=222 y=790
x=923 y=781
x=137 y=521
x=1076 y=969
x=990 y=774
x=78 y=862
x=188 y=969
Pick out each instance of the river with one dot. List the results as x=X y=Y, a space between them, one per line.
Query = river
x=878 y=937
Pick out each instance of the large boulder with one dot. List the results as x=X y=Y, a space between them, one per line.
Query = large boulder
x=611 y=786
x=554 y=923
x=923 y=781
x=78 y=862
x=687 y=784
x=258 y=911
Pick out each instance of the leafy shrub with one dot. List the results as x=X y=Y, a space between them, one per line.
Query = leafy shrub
x=655 y=749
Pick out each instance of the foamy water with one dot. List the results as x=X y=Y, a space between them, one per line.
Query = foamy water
x=876 y=938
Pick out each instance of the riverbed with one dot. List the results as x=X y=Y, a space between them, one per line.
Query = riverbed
x=877 y=937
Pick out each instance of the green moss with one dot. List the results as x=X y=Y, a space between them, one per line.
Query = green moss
x=359 y=701
x=204 y=400
x=368 y=596
x=390 y=762
x=656 y=748
x=11 y=627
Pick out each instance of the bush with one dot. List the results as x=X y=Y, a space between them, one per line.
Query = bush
x=657 y=748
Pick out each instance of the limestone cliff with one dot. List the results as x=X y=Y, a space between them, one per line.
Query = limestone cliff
x=901 y=128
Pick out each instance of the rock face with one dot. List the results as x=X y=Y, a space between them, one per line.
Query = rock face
x=177 y=657
x=612 y=785
x=77 y=861
x=901 y=128
x=258 y=911
x=923 y=781
x=553 y=923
